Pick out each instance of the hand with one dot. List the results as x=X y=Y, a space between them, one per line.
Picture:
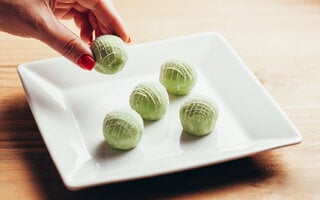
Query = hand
x=39 y=19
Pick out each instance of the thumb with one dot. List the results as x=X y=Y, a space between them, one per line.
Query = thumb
x=68 y=44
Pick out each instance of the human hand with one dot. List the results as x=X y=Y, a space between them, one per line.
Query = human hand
x=39 y=19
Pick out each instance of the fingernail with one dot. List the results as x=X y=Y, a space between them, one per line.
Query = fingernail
x=129 y=40
x=91 y=37
x=86 y=62
x=90 y=40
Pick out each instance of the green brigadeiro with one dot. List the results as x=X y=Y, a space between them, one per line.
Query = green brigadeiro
x=178 y=76
x=123 y=129
x=150 y=100
x=109 y=53
x=198 y=116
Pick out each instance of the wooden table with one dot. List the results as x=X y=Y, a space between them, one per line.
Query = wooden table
x=278 y=39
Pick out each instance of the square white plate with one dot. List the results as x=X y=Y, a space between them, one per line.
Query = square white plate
x=69 y=105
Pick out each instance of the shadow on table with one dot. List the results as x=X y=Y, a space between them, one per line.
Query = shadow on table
x=252 y=171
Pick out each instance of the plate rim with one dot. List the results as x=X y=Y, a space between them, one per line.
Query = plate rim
x=73 y=186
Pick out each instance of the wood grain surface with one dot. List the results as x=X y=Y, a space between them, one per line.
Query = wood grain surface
x=280 y=42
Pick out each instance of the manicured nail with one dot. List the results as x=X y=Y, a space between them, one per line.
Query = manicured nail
x=129 y=40
x=90 y=43
x=86 y=62
x=91 y=38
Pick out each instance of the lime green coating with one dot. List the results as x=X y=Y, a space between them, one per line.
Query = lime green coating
x=198 y=116
x=178 y=76
x=123 y=129
x=109 y=53
x=150 y=100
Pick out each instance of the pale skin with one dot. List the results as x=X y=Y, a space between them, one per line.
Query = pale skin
x=40 y=19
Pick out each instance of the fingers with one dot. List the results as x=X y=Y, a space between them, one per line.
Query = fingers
x=92 y=19
x=95 y=16
x=110 y=19
x=66 y=43
x=65 y=13
x=86 y=29
x=107 y=17
x=100 y=16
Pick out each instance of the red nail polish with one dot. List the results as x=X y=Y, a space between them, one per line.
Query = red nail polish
x=91 y=38
x=129 y=40
x=90 y=43
x=86 y=62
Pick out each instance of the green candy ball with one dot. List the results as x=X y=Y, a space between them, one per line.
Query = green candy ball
x=122 y=129
x=178 y=76
x=110 y=54
x=150 y=100
x=198 y=116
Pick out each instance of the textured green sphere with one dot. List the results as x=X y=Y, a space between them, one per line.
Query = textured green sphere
x=122 y=129
x=110 y=54
x=150 y=100
x=178 y=76
x=198 y=116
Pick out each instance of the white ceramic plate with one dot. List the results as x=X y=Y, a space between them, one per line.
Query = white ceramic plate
x=69 y=105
